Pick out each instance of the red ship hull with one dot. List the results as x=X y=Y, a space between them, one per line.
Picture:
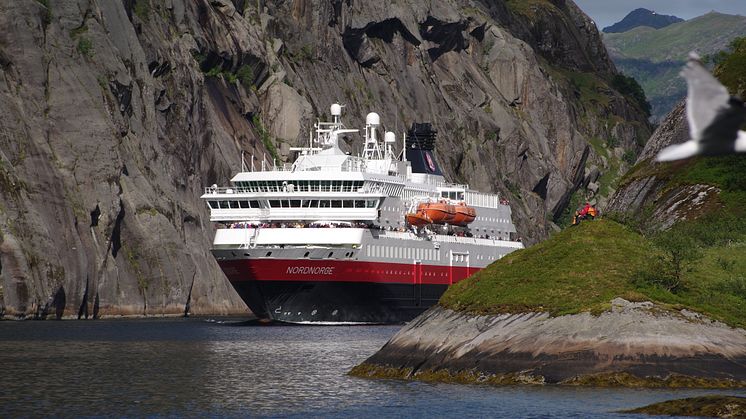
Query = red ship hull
x=339 y=291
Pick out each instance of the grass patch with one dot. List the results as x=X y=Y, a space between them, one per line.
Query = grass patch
x=582 y=268
x=85 y=47
x=528 y=8
x=142 y=9
x=705 y=406
x=266 y=138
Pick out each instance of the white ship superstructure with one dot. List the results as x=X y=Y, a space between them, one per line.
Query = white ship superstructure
x=327 y=238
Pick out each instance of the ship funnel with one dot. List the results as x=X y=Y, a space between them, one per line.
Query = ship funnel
x=389 y=137
x=336 y=109
x=373 y=119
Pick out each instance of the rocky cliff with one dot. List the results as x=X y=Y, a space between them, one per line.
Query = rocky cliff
x=115 y=114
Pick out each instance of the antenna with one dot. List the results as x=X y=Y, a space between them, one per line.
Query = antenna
x=243 y=162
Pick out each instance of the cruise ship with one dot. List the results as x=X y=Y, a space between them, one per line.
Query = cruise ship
x=336 y=238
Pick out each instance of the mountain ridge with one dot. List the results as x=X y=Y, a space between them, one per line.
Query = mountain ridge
x=642 y=17
x=654 y=57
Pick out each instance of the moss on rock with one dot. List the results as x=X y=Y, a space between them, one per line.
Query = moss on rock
x=706 y=406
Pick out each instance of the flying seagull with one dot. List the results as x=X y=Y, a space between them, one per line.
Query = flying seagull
x=714 y=117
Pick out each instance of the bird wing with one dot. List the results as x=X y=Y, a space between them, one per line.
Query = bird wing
x=679 y=151
x=705 y=96
x=740 y=146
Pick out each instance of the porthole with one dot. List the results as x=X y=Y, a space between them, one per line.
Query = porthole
x=305 y=255
x=246 y=254
x=330 y=254
x=268 y=254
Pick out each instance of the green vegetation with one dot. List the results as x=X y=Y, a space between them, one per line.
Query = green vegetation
x=655 y=57
x=705 y=406
x=246 y=76
x=474 y=376
x=80 y=30
x=731 y=65
x=528 y=8
x=628 y=86
x=582 y=268
x=265 y=137
x=707 y=34
x=142 y=9
x=85 y=47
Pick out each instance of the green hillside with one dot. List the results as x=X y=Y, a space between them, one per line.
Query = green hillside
x=654 y=57
x=699 y=264
x=581 y=269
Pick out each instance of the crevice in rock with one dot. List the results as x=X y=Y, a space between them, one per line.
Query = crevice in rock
x=355 y=40
x=188 y=305
x=577 y=180
x=95 y=307
x=59 y=301
x=159 y=69
x=5 y=61
x=240 y=6
x=116 y=234
x=123 y=94
x=95 y=215
x=83 y=310
x=337 y=11
x=124 y=170
x=448 y=35
x=541 y=187
x=478 y=32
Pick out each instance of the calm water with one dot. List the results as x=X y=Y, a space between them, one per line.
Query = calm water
x=201 y=367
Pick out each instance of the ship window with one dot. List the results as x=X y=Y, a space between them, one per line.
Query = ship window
x=444 y=194
x=275 y=203
x=460 y=196
x=326 y=185
x=213 y=204
x=347 y=203
x=269 y=254
x=359 y=203
x=305 y=255
x=295 y=203
x=254 y=204
x=372 y=203
x=244 y=204
x=336 y=203
x=337 y=186
x=324 y=203
x=331 y=254
x=314 y=203
x=224 y=205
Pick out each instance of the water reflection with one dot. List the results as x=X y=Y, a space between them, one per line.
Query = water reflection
x=192 y=367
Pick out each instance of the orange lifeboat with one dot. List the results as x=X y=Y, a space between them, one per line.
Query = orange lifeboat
x=438 y=212
x=418 y=219
x=464 y=215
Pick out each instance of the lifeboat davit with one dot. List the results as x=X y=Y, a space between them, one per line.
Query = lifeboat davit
x=464 y=215
x=438 y=212
x=418 y=219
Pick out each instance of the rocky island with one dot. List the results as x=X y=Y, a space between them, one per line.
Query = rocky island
x=655 y=298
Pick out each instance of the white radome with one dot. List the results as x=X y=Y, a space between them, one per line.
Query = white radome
x=336 y=109
x=373 y=119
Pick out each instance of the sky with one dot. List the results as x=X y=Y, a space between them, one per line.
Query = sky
x=608 y=12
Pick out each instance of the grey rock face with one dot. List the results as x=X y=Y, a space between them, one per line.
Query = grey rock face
x=115 y=115
x=635 y=338
x=650 y=198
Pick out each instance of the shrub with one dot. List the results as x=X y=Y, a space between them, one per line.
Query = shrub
x=85 y=47
x=246 y=76
x=679 y=253
x=629 y=86
x=629 y=157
